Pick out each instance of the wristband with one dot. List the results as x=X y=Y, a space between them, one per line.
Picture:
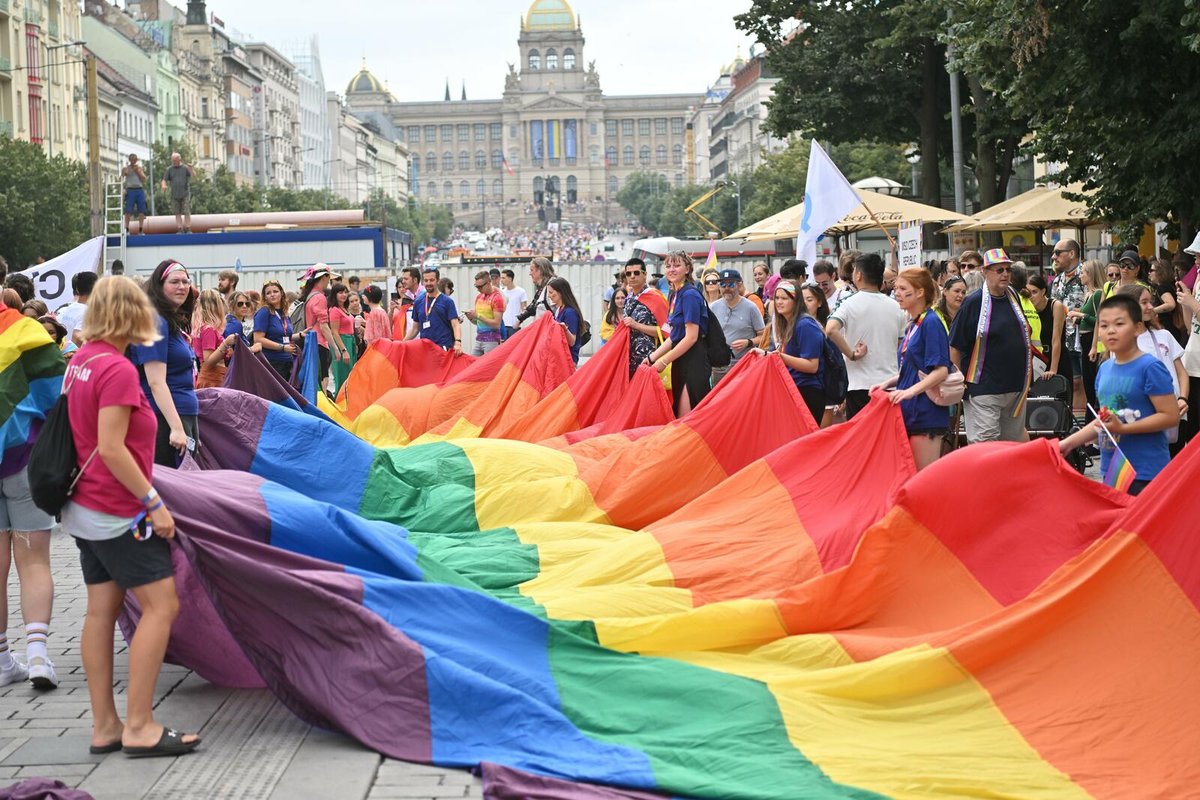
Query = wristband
x=150 y=497
x=155 y=507
x=458 y=340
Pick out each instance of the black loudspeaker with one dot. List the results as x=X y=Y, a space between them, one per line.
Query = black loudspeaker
x=1048 y=416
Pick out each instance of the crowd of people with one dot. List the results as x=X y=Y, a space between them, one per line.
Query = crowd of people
x=963 y=339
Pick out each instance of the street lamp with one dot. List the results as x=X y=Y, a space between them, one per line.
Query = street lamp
x=49 y=90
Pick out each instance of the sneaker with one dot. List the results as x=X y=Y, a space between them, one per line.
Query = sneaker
x=41 y=673
x=15 y=672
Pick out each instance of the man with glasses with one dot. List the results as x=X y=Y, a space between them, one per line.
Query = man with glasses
x=825 y=279
x=487 y=315
x=741 y=321
x=989 y=343
x=1068 y=290
x=644 y=313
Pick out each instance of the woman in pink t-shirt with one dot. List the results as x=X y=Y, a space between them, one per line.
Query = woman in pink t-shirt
x=114 y=430
x=341 y=322
x=379 y=325
x=211 y=349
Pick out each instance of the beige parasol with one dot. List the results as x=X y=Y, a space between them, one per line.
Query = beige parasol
x=889 y=212
x=1040 y=208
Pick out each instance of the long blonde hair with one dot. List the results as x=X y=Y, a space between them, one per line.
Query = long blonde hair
x=119 y=309
x=210 y=310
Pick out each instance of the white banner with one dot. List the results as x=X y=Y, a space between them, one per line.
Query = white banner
x=828 y=197
x=908 y=240
x=52 y=279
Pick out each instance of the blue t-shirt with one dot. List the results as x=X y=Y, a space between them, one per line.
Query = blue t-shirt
x=1004 y=361
x=808 y=341
x=570 y=317
x=278 y=329
x=175 y=351
x=1130 y=386
x=233 y=325
x=687 y=306
x=924 y=348
x=438 y=311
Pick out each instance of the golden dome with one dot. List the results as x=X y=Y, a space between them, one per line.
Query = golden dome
x=364 y=83
x=550 y=15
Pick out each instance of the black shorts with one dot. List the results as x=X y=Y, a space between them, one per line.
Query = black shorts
x=125 y=560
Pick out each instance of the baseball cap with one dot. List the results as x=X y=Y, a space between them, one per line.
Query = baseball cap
x=730 y=275
x=1130 y=255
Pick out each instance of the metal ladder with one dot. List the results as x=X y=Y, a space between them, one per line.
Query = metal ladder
x=114 y=223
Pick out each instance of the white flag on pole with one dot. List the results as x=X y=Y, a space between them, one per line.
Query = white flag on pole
x=52 y=279
x=828 y=197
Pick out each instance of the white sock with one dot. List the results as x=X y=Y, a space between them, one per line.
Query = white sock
x=6 y=656
x=36 y=634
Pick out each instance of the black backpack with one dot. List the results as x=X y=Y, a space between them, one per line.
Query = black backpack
x=837 y=382
x=719 y=352
x=585 y=332
x=53 y=462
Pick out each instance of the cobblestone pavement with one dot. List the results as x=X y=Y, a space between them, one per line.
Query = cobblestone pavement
x=253 y=746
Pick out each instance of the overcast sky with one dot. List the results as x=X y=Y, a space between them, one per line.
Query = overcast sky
x=639 y=46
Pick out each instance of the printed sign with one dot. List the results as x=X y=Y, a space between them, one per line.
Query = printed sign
x=909 y=243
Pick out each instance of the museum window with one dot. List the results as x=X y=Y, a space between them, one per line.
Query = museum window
x=497 y=130
x=480 y=159
x=643 y=127
x=414 y=134
x=448 y=189
x=535 y=59
x=464 y=132
x=447 y=133
x=679 y=179
x=447 y=161
x=497 y=159
x=610 y=127
x=497 y=187
x=464 y=189
x=480 y=131
x=610 y=155
x=676 y=125
x=551 y=59
x=660 y=126
x=627 y=155
x=464 y=160
x=430 y=134
x=677 y=154
x=431 y=162
x=613 y=183
x=432 y=189
x=568 y=59
x=480 y=187
x=660 y=154
x=627 y=127
x=644 y=154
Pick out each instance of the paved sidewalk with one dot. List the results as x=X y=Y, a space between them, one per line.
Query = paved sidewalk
x=253 y=746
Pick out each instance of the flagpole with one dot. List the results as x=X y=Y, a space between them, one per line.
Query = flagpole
x=875 y=219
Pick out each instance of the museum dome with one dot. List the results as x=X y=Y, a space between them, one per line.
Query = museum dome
x=365 y=83
x=550 y=15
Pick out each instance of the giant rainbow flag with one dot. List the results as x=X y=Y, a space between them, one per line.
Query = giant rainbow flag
x=31 y=374
x=735 y=604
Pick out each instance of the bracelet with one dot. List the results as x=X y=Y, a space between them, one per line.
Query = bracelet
x=155 y=507
x=150 y=497
x=458 y=340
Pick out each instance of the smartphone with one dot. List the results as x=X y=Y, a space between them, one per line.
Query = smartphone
x=395 y=296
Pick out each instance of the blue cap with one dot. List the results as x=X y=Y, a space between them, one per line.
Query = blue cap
x=730 y=275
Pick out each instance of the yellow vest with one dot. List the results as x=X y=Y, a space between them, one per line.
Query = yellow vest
x=1035 y=322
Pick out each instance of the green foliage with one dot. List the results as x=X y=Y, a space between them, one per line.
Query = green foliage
x=44 y=206
x=426 y=222
x=1112 y=90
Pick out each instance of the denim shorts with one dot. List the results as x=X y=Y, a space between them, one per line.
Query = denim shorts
x=17 y=511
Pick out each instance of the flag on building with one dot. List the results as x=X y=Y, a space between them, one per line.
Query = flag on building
x=828 y=197
x=507 y=167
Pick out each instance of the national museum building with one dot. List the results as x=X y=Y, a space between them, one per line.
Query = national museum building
x=553 y=140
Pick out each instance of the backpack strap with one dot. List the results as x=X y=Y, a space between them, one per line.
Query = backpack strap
x=96 y=449
x=81 y=366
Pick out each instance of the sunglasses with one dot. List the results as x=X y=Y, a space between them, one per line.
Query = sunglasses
x=1128 y=266
x=712 y=283
x=241 y=303
x=634 y=272
x=1000 y=270
x=728 y=284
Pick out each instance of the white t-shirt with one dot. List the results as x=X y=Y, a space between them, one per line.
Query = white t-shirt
x=1162 y=346
x=1191 y=353
x=512 y=304
x=70 y=317
x=876 y=320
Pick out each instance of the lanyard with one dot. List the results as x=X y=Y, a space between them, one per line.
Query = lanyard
x=429 y=304
x=912 y=331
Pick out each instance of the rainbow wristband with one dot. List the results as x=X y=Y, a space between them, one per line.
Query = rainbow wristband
x=150 y=497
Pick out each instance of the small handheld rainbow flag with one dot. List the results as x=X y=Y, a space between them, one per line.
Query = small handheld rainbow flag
x=1120 y=473
x=711 y=262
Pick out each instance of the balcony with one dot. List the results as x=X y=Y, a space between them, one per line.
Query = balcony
x=33 y=16
x=5 y=7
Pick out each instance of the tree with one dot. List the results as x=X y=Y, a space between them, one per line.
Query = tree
x=643 y=196
x=44 y=205
x=1112 y=92
x=855 y=70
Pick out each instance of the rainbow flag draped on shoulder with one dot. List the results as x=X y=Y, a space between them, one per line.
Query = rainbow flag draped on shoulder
x=31 y=373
